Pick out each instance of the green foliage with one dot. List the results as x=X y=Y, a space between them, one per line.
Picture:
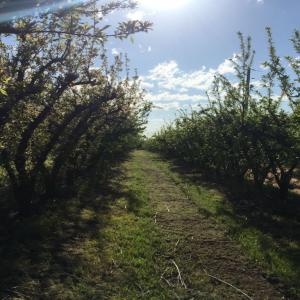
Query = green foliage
x=63 y=121
x=243 y=132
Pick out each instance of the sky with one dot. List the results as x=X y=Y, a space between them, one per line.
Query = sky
x=193 y=39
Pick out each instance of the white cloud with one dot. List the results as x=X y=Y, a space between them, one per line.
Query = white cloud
x=136 y=15
x=147 y=85
x=167 y=106
x=171 y=88
x=164 y=71
x=263 y=67
x=174 y=97
x=226 y=67
x=183 y=90
x=167 y=75
x=257 y=84
x=260 y=1
x=176 y=106
x=115 y=51
x=170 y=85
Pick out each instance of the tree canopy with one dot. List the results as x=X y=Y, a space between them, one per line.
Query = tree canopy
x=60 y=114
x=244 y=131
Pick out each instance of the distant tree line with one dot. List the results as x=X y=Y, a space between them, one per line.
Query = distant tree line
x=64 y=120
x=244 y=132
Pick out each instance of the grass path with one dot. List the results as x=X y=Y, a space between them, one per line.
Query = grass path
x=164 y=247
x=155 y=237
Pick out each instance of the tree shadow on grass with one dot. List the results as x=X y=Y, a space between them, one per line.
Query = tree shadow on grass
x=255 y=218
x=58 y=254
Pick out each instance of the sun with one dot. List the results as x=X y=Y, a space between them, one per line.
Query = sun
x=160 y=5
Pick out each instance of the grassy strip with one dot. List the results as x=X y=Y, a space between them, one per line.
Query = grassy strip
x=104 y=247
x=134 y=245
x=278 y=255
x=110 y=248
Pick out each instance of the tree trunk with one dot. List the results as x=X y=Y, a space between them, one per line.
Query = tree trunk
x=283 y=193
x=24 y=196
x=283 y=178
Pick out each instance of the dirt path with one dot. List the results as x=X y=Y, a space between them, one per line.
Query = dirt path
x=198 y=246
x=145 y=239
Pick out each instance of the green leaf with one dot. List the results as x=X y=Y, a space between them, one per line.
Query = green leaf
x=3 y=92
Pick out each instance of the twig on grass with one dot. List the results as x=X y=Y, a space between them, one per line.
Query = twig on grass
x=174 y=250
x=179 y=277
x=227 y=283
x=142 y=290
x=166 y=280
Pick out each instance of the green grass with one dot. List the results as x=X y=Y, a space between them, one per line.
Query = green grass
x=270 y=240
x=109 y=247
x=134 y=245
x=105 y=247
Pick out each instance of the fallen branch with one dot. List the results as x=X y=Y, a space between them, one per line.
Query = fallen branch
x=179 y=277
x=229 y=284
x=155 y=220
x=213 y=241
x=166 y=280
x=174 y=250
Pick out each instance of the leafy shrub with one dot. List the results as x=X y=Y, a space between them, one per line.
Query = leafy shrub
x=244 y=128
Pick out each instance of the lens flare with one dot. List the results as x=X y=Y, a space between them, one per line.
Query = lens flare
x=16 y=9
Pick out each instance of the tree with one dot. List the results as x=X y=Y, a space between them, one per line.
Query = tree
x=55 y=96
x=244 y=131
x=94 y=11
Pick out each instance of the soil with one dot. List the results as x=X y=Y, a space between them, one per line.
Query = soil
x=204 y=252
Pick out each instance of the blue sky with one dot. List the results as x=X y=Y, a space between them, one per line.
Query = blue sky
x=192 y=39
